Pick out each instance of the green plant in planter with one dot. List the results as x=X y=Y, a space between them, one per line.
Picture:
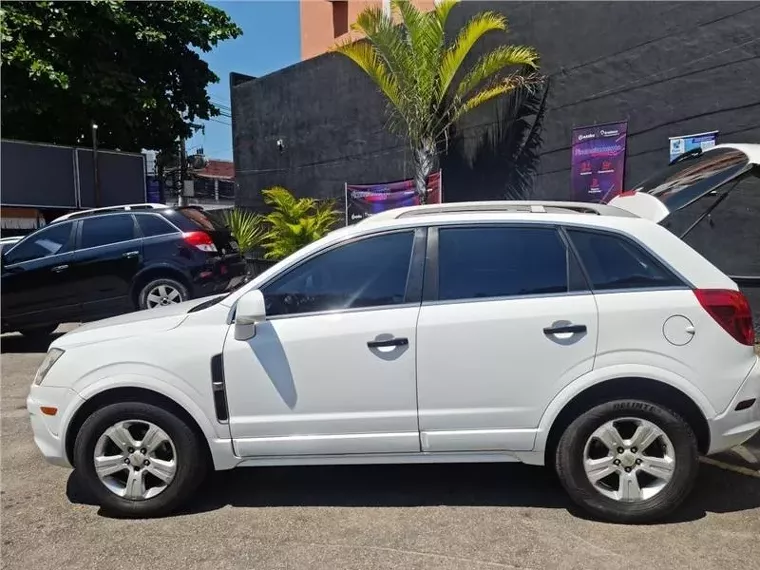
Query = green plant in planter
x=247 y=229
x=295 y=222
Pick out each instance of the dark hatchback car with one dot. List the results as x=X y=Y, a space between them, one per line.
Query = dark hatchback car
x=102 y=265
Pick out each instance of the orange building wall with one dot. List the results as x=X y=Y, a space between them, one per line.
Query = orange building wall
x=325 y=23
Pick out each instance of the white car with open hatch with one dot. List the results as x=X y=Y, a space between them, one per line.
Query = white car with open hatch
x=583 y=337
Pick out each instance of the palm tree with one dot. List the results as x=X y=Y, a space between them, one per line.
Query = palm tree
x=295 y=222
x=422 y=75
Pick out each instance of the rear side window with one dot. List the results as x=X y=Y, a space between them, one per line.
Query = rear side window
x=613 y=262
x=107 y=230
x=154 y=225
x=482 y=262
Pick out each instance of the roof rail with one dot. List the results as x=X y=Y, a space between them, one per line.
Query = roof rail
x=526 y=206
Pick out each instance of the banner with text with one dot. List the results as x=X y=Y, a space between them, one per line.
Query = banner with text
x=598 y=162
x=364 y=200
x=680 y=145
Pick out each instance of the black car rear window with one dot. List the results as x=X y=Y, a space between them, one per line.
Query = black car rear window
x=192 y=219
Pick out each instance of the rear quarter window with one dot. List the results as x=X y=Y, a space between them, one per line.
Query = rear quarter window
x=615 y=263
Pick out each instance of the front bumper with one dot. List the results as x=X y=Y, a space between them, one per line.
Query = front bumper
x=734 y=427
x=47 y=428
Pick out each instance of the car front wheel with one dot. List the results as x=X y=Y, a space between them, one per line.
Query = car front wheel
x=138 y=459
x=628 y=461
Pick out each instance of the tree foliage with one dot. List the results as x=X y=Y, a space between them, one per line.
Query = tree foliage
x=424 y=76
x=133 y=68
x=247 y=229
x=295 y=222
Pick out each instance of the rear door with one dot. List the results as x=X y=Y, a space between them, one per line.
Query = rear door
x=507 y=320
x=109 y=254
x=685 y=181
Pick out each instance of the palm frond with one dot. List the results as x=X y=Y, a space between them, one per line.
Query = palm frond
x=246 y=227
x=500 y=87
x=366 y=56
x=472 y=31
x=495 y=61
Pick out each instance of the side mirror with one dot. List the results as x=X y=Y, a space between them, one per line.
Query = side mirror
x=251 y=309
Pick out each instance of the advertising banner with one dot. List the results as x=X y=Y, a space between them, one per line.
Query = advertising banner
x=363 y=200
x=598 y=162
x=680 y=145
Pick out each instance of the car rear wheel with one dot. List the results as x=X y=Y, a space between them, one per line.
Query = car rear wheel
x=628 y=461
x=138 y=459
x=161 y=292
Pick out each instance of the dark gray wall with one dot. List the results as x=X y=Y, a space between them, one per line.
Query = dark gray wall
x=668 y=68
x=49 y=176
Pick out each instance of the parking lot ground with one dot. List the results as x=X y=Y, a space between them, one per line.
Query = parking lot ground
x=427 y=516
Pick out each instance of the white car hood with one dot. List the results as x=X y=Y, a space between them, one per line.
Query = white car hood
x=131 y=324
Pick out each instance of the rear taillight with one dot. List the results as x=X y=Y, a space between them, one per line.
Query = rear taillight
x=201 y=240
x=731 y=311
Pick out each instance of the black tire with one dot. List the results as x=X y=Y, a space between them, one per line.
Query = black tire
x=570 y=454
x=142 y=297
x=192 y=463
x=38 y=333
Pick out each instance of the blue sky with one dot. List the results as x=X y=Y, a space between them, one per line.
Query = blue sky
x=270 y=41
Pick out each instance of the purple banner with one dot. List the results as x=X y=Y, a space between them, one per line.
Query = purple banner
x=598 y=162
x=363 y=200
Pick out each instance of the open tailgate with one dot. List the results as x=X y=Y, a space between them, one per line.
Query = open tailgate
x=684 y=181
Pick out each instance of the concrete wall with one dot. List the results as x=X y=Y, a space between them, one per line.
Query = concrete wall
x=668 y=68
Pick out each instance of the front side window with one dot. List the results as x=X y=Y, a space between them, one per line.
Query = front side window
x=613 y=263
x=52 y=240
x=493 y=261
x=107 y=230
x=367 y=273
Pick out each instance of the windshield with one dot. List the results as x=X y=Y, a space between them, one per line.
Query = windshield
x=689 y=178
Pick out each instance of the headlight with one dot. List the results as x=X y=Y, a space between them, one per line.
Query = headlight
x=51 y=358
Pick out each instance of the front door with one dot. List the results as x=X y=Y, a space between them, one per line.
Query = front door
x=507 y=321
x=107 y=258
x=332 y=370
x=38 y=287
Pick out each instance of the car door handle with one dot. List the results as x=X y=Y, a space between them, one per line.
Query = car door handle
x=130 y=254
x=59 y=268
x=389 y=342
x=565 y=329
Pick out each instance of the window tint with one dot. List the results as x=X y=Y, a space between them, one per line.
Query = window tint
x=154 y=226
x=107 y=230
x=487 y=262
x=49 y=241
x=613 y=262
x=367 y=273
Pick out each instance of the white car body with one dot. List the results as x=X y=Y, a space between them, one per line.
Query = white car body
x=476 y=382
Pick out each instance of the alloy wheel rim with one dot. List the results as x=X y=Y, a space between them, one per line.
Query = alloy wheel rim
x=162 y=295
x=629 y=459
x=135 y=459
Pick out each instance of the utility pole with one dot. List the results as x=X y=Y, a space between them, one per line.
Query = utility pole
x=95 y=176
x=181 y=199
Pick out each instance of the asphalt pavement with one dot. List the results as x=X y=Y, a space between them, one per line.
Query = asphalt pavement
x=367 y=517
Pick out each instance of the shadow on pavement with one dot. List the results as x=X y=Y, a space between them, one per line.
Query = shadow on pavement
x=20 y=344
x=493 y=485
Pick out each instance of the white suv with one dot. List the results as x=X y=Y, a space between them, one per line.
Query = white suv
x=576 y=336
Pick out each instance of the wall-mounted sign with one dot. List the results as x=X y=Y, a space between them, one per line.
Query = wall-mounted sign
x=680 y=145
x=363 y=200
x=598 y=162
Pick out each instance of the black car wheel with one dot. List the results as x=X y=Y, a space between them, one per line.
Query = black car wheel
x=161 y=292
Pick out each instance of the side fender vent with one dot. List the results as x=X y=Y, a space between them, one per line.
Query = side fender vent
x=217 y=387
